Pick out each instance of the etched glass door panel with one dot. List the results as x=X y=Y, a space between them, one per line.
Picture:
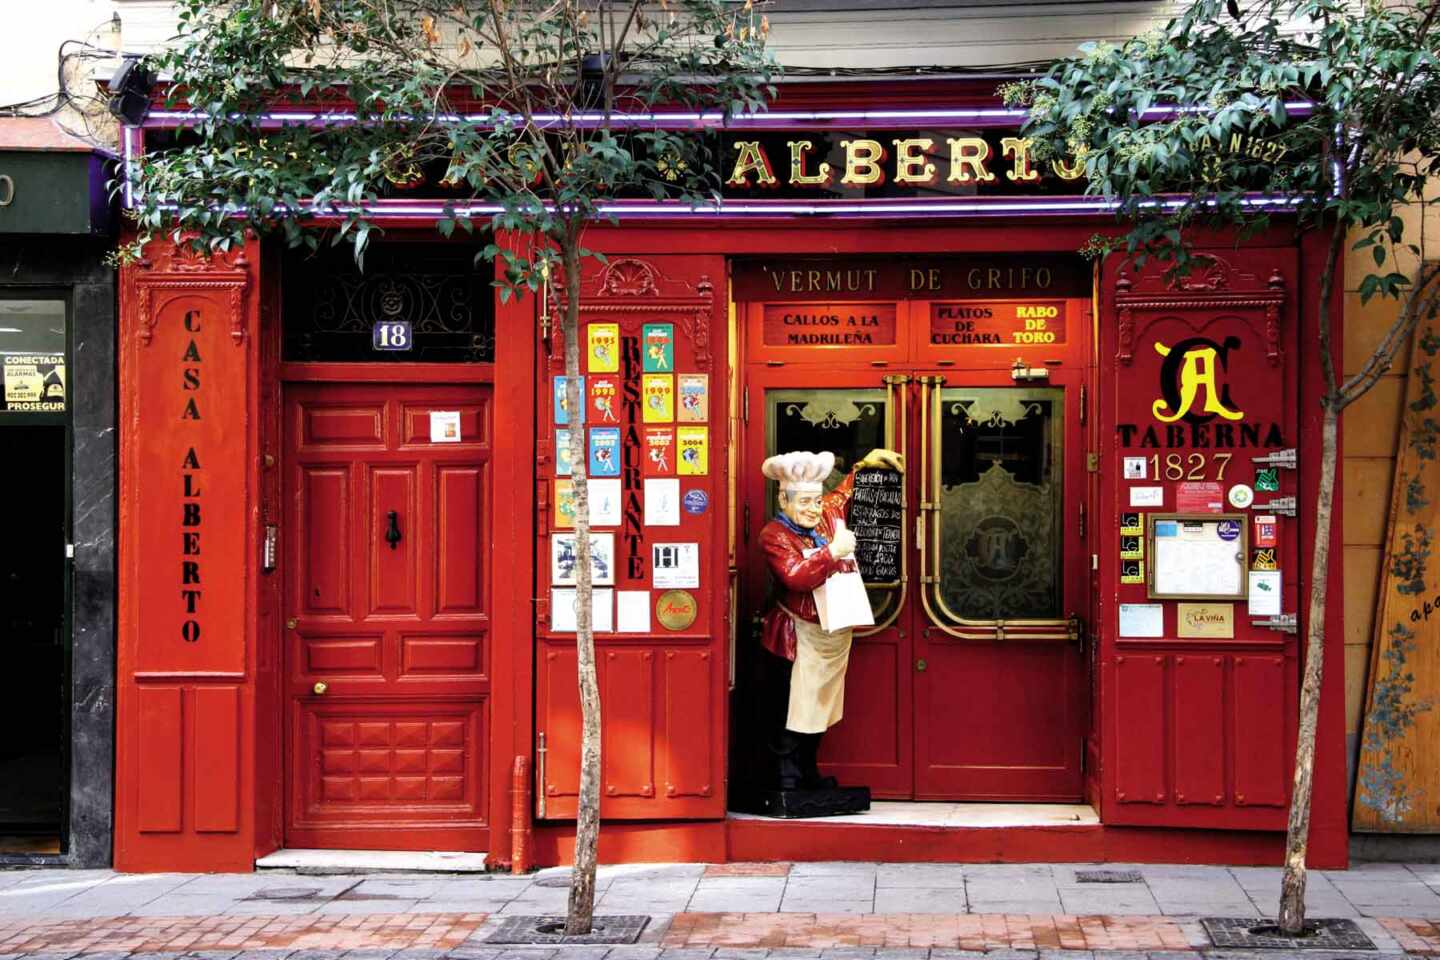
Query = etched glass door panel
x=873 y=743
x=847 y=422
x=1000 y=500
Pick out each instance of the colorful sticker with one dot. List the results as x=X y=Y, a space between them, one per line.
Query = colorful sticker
x=1132 y=571
x=1228 y=530
x=1267 y=480
x=1134 y=468
x=657 y=343
x=1241 y=496
x=602 y=354
x=564 y=503
x=693 y=456
x=562 y=412
x=605 y=451
x=604 y=394
x=695 y=502
x=1131 y=523
x=1264 y=560
x=658 y=390
x=1267 y=530
x=1132 y=547
x=694 y=391
x=563 y=466
x=659 y=452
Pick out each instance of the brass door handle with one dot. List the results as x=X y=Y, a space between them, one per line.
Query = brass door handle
x=320 y=687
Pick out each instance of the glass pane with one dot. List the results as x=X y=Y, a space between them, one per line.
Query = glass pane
x=32 y=346
x=847 y=422
x=331 y=306
x=1000 y=500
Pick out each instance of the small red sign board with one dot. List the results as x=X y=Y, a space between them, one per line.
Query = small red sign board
x=997 y=323
x=1200 y=496
x=829 y=324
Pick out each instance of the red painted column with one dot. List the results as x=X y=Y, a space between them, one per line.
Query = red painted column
x=189 y=561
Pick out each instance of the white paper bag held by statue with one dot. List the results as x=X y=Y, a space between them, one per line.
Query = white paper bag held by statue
x=841 y=601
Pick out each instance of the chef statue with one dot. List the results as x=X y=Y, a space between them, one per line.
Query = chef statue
x=805 y=545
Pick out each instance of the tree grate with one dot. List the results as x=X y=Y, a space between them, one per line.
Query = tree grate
x=1260 y=934
x=550 y=929
x=1107 y=876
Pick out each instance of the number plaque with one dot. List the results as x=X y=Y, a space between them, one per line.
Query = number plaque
x=390 y=335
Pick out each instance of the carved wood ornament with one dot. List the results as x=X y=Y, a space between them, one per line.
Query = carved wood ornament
x=638 y=292
x=169 y=272
x=1218 y=287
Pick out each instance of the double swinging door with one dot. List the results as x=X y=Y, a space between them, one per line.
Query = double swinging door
x=973 y=683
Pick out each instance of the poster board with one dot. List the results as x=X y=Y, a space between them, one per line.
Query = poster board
x=1397 y=780
x=877 y=518
x=1197 y=556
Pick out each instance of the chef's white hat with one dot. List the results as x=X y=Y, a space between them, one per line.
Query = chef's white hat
x=798 y=469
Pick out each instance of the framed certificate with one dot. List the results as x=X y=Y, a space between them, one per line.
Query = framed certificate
x=1197 y=556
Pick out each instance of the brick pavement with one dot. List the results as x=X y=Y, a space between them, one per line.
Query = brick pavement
x=1420 y=937
x=739 y=911
x=950 y=931
x=438 y=931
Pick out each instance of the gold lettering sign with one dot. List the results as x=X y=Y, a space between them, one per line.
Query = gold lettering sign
x=829 y=324
x=676 y=609
x=1205 y=620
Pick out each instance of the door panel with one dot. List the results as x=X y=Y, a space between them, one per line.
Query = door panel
x=873 y=744
x=1200 y=727
x=387 y=618
x=999 y=702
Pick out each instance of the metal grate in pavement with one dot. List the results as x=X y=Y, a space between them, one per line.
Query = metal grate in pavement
x=619 y=929
x=1107 y=876
x=1253 y=934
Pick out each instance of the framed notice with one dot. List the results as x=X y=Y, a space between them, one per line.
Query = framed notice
x=1197 y=556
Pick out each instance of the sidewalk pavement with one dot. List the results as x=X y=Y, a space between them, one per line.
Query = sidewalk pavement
x=745 y=911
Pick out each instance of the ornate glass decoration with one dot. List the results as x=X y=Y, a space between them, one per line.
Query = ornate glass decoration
x=1001 y=490
x=331 y=307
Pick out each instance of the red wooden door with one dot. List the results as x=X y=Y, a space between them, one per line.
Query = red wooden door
x=1000 y=678
x=387 y=632
x=1200 y=724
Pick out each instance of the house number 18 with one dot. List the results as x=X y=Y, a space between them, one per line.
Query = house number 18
x=390 y=335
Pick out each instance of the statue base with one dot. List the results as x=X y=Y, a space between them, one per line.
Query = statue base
x=802 y=804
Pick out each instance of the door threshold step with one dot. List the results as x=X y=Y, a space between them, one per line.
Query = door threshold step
x=373 y=861
x=930 y=813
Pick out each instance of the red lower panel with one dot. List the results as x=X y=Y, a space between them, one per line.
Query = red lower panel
x=870 y=745
x=1199 y=730
x=661 y=753
x=1261 y=687
x=217 y=759
x=159 y=781
x=1140 y=713
x=388 y=774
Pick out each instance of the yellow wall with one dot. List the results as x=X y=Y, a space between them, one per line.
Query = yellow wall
x=1370 y=436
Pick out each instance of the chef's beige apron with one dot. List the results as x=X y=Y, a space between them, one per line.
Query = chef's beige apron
x=817 y=682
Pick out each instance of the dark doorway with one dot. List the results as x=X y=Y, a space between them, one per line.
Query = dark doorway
x=34 y=633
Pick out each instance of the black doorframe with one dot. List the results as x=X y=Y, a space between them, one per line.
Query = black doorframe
x=74 y=269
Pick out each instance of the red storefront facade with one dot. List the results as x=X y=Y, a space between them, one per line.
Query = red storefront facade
x=340 y=628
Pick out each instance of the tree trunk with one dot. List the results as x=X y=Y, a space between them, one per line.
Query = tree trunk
x=580 y=913
x=1291 y=919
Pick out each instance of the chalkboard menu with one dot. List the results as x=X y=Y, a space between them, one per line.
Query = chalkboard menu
x=876 y=517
